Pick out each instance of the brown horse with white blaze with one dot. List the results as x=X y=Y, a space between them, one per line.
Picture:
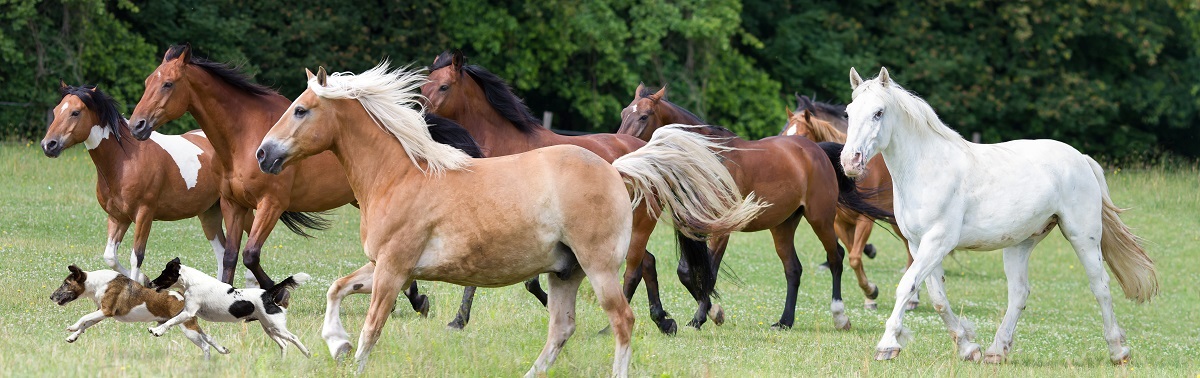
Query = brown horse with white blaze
x=169 y=177
x=853 y=228
x=559 y=210
x=502 y=124
x=794 y=175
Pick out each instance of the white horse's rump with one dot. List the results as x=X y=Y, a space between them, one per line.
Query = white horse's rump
x=952 y=194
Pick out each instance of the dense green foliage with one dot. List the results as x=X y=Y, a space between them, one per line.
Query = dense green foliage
x=1108 y=76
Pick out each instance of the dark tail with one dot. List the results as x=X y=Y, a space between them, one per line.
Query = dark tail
x=282 y=290
x=297 y=221
x=848 y=193
x=700 y=269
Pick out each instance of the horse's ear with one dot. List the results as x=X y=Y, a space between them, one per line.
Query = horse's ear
x=322 y=77
x=787 y=110
x=186 y=55
x=884 y=78
x=658 y=96
x=62 y=85
x=638 y=92
x=459 y=60
x=309 y=73
x=808 y=117
x=855 y=80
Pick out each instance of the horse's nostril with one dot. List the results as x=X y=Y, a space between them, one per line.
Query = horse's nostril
x=260 y=154
x=51 y=144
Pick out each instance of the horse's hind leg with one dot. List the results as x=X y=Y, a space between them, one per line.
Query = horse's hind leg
x=418 y=301
x=533 y=286
x=1085 y=236
x=332 y=330
x=116 y=233
x=464 y=310
x=641 y=265
x=1016 y=269
x=962 y=331
x=210 y=222
x=855 y=235
x=562 y=320
x=704 y=304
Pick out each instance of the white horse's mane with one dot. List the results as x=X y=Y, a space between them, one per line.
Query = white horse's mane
x=918 y=111
x=392 y=98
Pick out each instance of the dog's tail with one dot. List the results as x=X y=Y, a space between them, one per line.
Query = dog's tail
x=282 y=291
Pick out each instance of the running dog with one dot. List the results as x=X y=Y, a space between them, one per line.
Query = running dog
x=215 y=301
x=125 y=300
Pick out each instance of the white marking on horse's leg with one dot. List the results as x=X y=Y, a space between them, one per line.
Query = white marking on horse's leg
x=135 y=271
x=185 y=154
x=98 y=134
x=110 y=257
x=929 y=255
x=219 y=252
x=561 y=305
x=336 y=338
x=962 y=331
x=1016 y=268
x=251 y=282
x=840 y=320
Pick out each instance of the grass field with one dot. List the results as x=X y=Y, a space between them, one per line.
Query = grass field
x=50 y=219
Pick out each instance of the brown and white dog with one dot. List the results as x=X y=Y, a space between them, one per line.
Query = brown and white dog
x=215 y=301
x=125 y=300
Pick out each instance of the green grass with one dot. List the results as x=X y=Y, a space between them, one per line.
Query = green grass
x=51 y=219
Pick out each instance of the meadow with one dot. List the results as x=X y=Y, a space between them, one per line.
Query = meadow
x=49 y=219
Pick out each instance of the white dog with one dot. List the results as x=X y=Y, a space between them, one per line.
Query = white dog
x=125 y=300
x=216 y=301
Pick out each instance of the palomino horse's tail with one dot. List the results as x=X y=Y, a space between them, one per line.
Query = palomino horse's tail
x=1123 y=250
x=297 y=221
x=680 y=171
x=849 y=195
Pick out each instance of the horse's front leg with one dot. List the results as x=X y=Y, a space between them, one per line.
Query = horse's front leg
x=358 y=282
x=392 y=278
x=141 y=234
x=928 y=254
x=210 y=222
x=116 y=233
x=265 y=217
x=235 y=219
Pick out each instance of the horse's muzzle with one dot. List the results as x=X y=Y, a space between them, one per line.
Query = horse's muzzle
x=853 y=166
x=271 y=156
x=141 y=128
x=52 y=147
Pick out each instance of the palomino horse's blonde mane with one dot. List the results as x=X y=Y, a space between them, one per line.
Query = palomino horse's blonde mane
x=916 y=109
x=822 y=130
x=392 y=98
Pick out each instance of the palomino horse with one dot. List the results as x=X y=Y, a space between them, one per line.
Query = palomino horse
x=487 y=107
x=793 y=174
x=952 y=194
x=170 y=177
x=853 y=228
x=559 y=210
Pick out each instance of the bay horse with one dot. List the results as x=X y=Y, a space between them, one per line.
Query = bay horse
x=853 y=228
x=951 y=194
x=235 y=113
x=791 y=173
x=559 y=210
x=169 y=177
x=834 y=114
x=502 y=124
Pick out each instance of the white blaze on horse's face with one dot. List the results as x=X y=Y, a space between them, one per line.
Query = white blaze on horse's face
x=865 y=136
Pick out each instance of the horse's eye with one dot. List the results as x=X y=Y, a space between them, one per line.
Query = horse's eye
x=168 y=84
x=644 y=117
x=301 y=111
x=878 y=115
x=75 y=113
x=444 y=87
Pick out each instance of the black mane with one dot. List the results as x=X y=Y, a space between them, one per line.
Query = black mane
x=445 y=131
x=835 y=109
x=101 y=103
x=229 y=75
x=502 y=98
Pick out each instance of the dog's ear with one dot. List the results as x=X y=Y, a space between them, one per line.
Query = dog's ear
x=77 y=275
x=174 y=262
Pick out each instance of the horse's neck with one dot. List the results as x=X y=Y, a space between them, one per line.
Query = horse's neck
x=232 y=120
x=110 y=156
x=670 y=113
x=916 y=155
x=496 y=135
x=373 y=159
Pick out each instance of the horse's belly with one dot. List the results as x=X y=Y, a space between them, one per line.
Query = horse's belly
x=500 y=263
x=989 y=237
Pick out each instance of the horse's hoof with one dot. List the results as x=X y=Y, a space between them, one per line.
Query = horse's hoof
x=1121 y=358
x=823 y=266
x=607 y=330
x=780 y=327
x=695 y=324
x=424 y=309
x=911 y=305
x=457 y=324
x=887 y=354
x=869 y=250
x=667 y=326
x=717 y=314
x=974 y=356
x=842 y=324
x=993 y=358
x=870 y=306
x=340 y=353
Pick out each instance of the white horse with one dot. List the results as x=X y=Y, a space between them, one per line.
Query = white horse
x=952 y=194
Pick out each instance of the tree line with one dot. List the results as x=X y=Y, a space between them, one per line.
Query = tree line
x=1113 y=78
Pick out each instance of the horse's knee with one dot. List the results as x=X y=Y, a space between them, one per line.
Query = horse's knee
x=855 y=262
x=250 y=257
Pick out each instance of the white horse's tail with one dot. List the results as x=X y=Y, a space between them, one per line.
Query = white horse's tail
x=680 y=170
x=1123 y=250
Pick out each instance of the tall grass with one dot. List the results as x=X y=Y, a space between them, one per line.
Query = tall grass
x=50 y=219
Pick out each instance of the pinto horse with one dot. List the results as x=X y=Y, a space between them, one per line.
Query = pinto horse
x=793 y=174
x=486 y=106
x=853 y=228
x=559 y=210
x=170 y=177
x=951 y=194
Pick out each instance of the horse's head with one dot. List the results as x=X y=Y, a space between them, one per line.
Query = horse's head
x=305 y=129
x=74 y=120
x=168 y=93
x=445 y=92
x=869 y=120
x=638 y=119
x=72 y=287
x=797 y=123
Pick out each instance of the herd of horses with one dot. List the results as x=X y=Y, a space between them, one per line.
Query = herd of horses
x=410 y=148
